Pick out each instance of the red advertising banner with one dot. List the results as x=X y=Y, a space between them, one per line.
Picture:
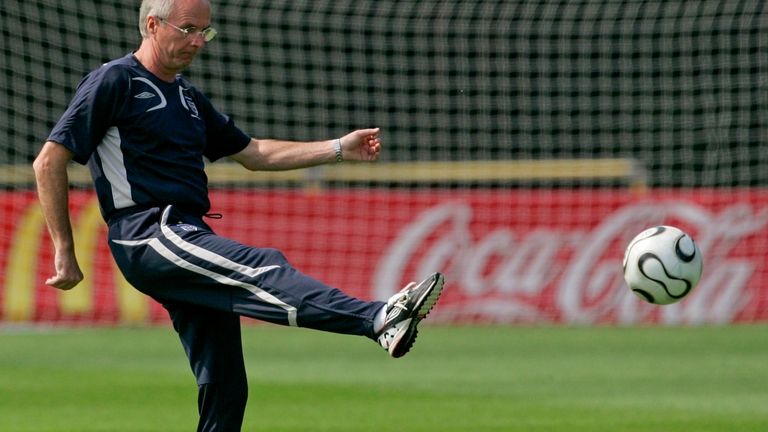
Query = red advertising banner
x=509 y=255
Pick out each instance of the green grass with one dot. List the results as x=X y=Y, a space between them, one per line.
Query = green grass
x=532 y=379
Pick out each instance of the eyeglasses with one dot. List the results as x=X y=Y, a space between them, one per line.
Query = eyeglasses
x=207 y=33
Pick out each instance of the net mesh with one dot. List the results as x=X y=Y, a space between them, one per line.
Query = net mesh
x=670 y=95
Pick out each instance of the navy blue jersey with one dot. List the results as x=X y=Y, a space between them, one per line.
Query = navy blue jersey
x=145 y=139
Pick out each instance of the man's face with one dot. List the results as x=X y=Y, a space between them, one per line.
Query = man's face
x=175 y=49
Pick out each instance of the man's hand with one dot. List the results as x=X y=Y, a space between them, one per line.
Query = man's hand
x=68 y=272
x=361 y=145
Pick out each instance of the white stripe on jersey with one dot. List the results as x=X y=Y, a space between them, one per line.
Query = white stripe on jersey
x=113 y=165
x=163 y=103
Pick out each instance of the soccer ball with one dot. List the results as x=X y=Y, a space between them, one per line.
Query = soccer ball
x=662 y=265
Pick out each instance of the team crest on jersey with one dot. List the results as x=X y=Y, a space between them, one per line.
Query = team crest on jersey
x=187 y=227
x=188 y=103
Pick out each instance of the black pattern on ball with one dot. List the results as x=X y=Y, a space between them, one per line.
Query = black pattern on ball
x=651 y=256
x=684 y=257
x=659 y=230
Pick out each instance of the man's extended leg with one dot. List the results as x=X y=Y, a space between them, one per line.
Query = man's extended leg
x=181 y=262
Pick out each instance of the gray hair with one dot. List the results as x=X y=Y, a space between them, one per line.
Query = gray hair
x=158 y=8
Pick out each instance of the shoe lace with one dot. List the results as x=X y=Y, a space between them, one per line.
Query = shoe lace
x=398 y=302
x=400 y=299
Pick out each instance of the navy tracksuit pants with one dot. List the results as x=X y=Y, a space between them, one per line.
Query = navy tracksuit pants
x=206 y=282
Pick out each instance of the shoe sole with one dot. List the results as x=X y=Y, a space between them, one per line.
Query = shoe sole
x=402 y=343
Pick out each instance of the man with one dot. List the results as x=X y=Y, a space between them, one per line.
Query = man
x=144 y=132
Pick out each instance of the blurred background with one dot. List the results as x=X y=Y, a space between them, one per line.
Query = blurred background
x=525 y=143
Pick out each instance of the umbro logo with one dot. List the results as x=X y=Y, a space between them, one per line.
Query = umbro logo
x=147 y=94
x=393 y=314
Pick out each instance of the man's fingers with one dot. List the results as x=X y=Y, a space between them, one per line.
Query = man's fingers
x=62 y=283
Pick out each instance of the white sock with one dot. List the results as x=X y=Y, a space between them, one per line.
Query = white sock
x=378 y=320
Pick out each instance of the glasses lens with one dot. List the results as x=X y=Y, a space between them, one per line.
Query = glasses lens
x=209 y=34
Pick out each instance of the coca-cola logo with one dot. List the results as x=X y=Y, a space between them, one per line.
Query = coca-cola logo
x=568 y=275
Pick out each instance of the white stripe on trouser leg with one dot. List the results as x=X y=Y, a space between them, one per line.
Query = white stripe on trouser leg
x=166 y=253
x=207 y=255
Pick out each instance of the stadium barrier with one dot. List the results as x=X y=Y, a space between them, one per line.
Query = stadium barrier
x=511 y=254
x=626 y=171
x=23 y=301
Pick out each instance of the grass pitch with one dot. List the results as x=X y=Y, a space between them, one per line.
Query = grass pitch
x=532 y=379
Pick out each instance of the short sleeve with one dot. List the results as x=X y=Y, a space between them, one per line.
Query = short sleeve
x=223 y=137
x=93 y=109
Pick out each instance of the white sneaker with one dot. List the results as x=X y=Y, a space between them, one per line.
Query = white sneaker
x=404 y=312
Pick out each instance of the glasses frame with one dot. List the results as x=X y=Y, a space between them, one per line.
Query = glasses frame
x=207 y=33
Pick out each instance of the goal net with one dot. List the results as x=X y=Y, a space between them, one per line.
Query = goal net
x=525 y=143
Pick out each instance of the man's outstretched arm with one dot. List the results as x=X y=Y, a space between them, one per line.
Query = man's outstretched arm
x=276 y=155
